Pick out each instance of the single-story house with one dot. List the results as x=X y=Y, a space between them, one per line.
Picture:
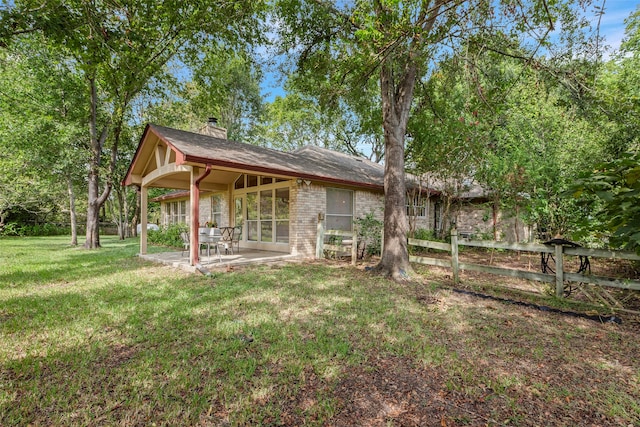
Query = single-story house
x=277 y=198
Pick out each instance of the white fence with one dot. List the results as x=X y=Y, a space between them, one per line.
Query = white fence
x=347 y=242
x=557 y=250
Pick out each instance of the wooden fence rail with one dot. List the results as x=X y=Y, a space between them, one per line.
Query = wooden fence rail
x=557 y=250
x=348 y=244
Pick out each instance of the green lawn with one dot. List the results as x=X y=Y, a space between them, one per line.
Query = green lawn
x=102 y=338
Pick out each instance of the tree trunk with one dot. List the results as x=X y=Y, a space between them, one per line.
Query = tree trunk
x=515 y=224
x=394 y=261
x=121 y=217
x=92 y=237
x=125 y=214
x=136 y=214
x=396 y=103
x=72 y=211
x=494 y=215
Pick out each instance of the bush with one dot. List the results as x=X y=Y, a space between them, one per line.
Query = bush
x=369 y=234
x=424 y=234
x=16 y=229
x=168 y=236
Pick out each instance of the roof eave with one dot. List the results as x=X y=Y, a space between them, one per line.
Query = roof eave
x=275 y=171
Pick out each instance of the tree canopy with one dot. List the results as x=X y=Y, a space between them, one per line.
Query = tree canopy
x=513 y=96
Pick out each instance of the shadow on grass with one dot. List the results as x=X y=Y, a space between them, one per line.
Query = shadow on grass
x=311 y=344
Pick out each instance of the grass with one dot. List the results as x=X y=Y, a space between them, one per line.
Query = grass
x=103 y=338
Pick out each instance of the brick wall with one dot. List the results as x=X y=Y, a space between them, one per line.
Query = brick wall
x=366 y=202
x=306 y=201
x=478 y=219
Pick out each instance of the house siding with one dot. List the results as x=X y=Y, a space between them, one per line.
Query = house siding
x=478 y=219
x=367 y=202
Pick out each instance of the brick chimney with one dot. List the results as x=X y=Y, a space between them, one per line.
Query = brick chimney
x=212 y=129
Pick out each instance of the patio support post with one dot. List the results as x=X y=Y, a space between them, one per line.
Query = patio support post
x=143 y=219
x=194 y=200
x=194 y=247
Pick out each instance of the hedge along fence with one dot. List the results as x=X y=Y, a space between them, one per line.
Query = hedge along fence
x=558 y=250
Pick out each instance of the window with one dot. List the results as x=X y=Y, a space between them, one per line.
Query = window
x=177 y=212
x=339 y=209
x=266 y=216
x=238 y=212
x=252 y=217
x=239 y=183
x=282 y=215
x=252 y=181
x=216 y=209
x=416 y=206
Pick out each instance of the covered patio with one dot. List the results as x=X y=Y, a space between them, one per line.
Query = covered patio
x=205 y=164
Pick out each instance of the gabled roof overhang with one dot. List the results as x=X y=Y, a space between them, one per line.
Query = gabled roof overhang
x=164 y=152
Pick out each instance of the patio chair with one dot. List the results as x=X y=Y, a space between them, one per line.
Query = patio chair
x=235 y=238
x=226 y=241
x=185 y=242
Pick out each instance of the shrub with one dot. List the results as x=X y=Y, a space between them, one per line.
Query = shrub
x=168 y=236
x=16 y=229
x=424 y=234
x=369 y=234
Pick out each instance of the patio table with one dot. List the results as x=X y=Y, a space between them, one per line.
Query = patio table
x=212 y=238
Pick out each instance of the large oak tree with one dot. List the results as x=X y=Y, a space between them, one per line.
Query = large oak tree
x=338 y=48
x=121 y=48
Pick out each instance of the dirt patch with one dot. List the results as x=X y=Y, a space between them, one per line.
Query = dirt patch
x=393 y=391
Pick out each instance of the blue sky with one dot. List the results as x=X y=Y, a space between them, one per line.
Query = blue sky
x=612 y=23
x=611 y=27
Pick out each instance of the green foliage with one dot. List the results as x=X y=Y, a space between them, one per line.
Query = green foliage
x=15 y=229
x=426 y=234
x=369 y=233
x=121 y=51
x=168 y=236
x=617 y=185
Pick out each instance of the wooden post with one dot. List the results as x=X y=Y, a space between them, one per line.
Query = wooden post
x=354 y=247
x=143 y=219
x=194 y=202
x=559 y=272
x=454 y=255
x=320 y=236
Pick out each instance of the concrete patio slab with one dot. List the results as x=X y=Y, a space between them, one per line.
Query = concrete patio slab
x=214 y=262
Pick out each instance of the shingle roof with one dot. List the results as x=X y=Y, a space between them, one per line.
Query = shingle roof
x=308 y=162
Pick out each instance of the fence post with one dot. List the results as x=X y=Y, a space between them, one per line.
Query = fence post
x=559 y=272
x=320 y=236
x=354 y=247
x=454 y=255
